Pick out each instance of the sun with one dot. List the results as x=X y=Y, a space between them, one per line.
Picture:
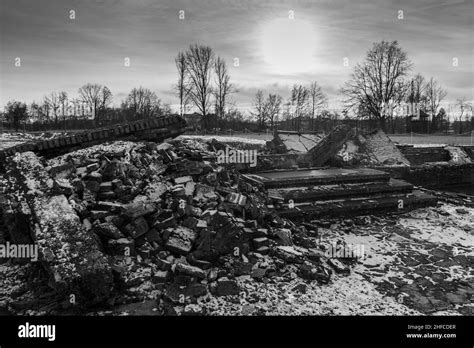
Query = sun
x=288 y=45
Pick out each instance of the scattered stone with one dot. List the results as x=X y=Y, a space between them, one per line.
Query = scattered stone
x=258 y=273
x=160 y=277
x=338 y=266
x=137 y=227
x=137 y=209
x=227 y=287
x=196 y=290
x=261 y=242
x=462 y=211
x=122 y=247
x=163 y=265
x=107 y=230
x=181 y=240
x=105 y=186
x=312 y=272
x=300 y=287
x=92 y=167
x=183 y=180
x=289 y=254
x=242 y=268
x=284 y=235
x=190 y=270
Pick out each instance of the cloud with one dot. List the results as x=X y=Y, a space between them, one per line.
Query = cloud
x=62 y=54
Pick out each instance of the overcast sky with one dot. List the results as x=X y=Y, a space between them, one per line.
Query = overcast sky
x=58 y=53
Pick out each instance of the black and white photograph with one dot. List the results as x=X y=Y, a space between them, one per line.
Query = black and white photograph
x=283 y=160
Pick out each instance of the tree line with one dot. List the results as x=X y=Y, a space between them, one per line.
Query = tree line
x=92 y=103
x=383 y=78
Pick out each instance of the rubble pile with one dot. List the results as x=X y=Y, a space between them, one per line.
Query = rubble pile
x=173 y=224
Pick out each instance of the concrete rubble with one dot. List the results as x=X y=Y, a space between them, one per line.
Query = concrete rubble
x=163 y=220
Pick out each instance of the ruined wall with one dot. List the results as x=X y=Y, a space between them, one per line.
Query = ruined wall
x=154 y=129
x=420 y=155
x=434 y=175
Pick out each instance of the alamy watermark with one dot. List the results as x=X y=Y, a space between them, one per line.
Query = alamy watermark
x=341 y=251
x=230 y=155
x=37 y=331
x=19 y=251
x=401 y=109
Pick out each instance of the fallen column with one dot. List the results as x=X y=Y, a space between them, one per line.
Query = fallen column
x=68 y=252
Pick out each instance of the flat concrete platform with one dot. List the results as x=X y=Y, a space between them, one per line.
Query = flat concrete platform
x=304 y=211
x=304 y=177
x=327 y=192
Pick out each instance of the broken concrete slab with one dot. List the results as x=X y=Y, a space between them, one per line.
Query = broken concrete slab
x=68 y=251
x=328 y=146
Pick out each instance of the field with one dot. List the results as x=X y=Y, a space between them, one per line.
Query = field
x=11 y=139
x=432 y=139
x=401 y=139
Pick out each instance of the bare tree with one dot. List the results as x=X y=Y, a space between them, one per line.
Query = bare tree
x=299 y=101
x=260 y=110
x=143 y=103
x=317 y=99
x=53 y=102
x=463 y=105
x=96 y=97
x=63 y=103
x=182 y=85
x=105 y=99
x=379 y=80
x=35 y=111
x=416 y=91
x=223 y=87
x=77 y=107
x=45 y=109
x=273 y=108
x=199 y=62
x=434 y=95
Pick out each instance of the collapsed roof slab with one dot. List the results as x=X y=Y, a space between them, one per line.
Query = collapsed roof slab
x=316 y=176
x=321 y=192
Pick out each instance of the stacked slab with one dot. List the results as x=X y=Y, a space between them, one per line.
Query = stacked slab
x=311 y=193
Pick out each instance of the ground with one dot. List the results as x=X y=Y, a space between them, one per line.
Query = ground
x=11 y=139
x=427 y=139
x=418 y=263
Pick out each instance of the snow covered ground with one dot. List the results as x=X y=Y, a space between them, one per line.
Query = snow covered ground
x=419 y=263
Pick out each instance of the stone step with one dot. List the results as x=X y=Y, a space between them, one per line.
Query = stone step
x=311 y=177
x=359 y=206
x=330 y=192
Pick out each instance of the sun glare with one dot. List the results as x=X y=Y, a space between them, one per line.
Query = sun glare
x=288 y=45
